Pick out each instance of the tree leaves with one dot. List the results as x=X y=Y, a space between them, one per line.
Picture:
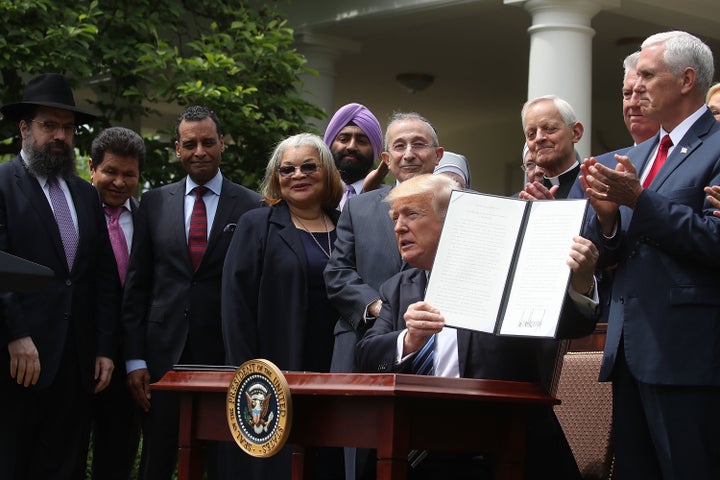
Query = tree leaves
x=146 y=58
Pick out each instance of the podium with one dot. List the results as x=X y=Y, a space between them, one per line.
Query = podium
x=394 y=413
x=20 y=275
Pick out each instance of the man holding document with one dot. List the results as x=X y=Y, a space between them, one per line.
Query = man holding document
x=406 y=325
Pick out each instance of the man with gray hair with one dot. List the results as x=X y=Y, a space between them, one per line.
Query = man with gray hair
x=366 y=254
x=407 y=328
x=551 y=132
x=654 y=222
x=640 y=127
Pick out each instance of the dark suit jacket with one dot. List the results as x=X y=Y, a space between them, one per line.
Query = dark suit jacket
x=567 y=182
x=82 y=303
x=665 y=302
x=607 y=159
x=265 y=307
x=480 y=355
x=167 y=305
x=365 y=255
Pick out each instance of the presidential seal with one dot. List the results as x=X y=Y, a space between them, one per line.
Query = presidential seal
x=259 y=408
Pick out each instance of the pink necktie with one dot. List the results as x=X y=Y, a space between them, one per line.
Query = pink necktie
x=117 y=240
x=197 y=235
x=662 y=154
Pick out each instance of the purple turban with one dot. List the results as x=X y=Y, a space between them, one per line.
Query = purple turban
x=360 y=116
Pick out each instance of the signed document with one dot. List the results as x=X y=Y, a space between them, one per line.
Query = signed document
x=501 y=263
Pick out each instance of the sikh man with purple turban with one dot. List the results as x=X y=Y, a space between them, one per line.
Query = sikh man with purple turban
x=355 y=140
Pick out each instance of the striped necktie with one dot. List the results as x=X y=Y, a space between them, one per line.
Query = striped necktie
x=197 y=235
x=423 y=363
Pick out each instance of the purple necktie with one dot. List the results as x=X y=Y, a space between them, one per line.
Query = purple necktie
x=349 y=193
x=64 y=220
x=117 y=240
x=197 y=235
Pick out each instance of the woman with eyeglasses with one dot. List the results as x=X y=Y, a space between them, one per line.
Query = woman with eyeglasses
x=274 y=304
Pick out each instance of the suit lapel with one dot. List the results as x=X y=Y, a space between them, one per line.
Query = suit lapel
x=176 y=212
x=388 y=231
x=280 y=215
x=30 y=188
x=689 y=143
x=224 y=208
x=640 y=153
x=412 y=288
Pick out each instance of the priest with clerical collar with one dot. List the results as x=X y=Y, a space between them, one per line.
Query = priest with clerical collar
x=551 y=131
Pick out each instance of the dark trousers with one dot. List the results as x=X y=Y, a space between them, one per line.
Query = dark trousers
x=547 y=455
x=664 y=431
x=116 y=430
x=223 y=460
x=44 y=433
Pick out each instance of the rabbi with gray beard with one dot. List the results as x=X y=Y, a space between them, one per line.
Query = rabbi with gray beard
x=55 y=343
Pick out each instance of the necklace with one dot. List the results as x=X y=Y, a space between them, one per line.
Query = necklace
x=329 y=250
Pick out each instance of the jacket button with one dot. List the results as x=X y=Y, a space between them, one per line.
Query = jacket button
x=68 y=282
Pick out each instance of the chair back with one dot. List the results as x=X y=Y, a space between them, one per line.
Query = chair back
x=585 y=413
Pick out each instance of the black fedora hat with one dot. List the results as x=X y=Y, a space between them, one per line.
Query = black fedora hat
x=47 y=90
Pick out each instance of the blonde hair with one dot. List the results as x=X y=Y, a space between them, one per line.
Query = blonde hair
x=712 y=91
x=438 y=186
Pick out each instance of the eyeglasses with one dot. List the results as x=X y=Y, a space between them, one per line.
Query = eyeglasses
x=414 y=147
x=528 y=166
x=51 y=127
x=287 y=171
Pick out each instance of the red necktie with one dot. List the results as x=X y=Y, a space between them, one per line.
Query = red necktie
x=117 y=240
x=662 y=154
x=197 y=236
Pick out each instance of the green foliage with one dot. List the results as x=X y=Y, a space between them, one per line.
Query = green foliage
x=140 y=55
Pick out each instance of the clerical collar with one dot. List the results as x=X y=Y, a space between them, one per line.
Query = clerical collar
x=556 y=180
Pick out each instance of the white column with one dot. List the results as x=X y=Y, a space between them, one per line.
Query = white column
x=561 y=54
x=321 y=51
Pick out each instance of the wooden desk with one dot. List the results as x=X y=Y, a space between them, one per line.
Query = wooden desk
x=391 y=412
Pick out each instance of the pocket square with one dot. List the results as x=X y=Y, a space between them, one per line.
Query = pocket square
x=230 y=227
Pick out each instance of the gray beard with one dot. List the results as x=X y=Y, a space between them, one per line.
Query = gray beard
x=44 y=163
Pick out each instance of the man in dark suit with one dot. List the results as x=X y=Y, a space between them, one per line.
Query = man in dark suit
x=171 y=302
x=405 y=324
x=655 y=223
x=640 y=129
x=638 y=125
x=365 y=253
x=116 y=159
x=57 y=342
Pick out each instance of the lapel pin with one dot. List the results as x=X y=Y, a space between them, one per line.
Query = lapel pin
x=683 y=150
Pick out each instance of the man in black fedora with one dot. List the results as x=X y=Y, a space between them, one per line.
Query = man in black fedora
x=56 y=343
